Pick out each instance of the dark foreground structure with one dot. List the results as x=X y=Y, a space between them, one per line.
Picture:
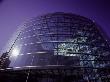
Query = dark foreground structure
x=57 y=47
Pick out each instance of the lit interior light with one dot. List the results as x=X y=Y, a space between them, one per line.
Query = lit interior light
x=41 y=52
x=15 y=52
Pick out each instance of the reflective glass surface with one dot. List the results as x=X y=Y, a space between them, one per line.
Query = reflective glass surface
x=58 y=39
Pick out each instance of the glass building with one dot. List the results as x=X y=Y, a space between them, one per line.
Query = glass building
x=57 y=47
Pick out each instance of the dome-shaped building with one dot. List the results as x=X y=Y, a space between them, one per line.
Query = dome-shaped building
x=58 y=47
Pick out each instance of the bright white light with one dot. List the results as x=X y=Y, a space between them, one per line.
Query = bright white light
x=15 y=52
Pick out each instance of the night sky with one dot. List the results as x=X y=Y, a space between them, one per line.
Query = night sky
x=14 y=12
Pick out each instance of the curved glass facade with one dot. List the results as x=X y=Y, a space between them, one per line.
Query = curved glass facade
x=59 y=39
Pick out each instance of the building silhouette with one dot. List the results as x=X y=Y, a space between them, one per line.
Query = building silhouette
x=57 y=47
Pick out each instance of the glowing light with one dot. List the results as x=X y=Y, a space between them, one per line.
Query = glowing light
x=15 y=52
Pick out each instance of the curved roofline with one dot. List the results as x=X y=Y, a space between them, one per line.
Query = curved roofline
x=103 y=33
x=63 y=13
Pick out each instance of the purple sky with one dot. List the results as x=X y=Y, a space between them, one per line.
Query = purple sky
x=14 y=12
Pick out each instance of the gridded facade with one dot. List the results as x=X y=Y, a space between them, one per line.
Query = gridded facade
x=62 y=41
